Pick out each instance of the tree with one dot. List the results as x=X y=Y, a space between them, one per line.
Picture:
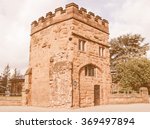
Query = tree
x=4 y=79
x=133 y=74
x=127 y=47
x=10 y=84
x=16 y=74
x=5 y=75
x=16 y=83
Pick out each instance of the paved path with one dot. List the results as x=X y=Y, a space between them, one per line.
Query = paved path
x=102 y=108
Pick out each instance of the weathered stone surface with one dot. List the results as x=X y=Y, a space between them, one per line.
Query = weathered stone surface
x=58 y=66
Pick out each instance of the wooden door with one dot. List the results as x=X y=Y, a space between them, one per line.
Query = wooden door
x=96 y=95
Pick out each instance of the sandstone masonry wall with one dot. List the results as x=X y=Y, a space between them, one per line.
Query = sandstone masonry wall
x=56 y=66
x=10 y=101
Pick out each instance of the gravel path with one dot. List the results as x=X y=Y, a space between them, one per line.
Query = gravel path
x=102 y=108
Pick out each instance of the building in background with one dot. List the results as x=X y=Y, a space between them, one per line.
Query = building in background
x=13 y=88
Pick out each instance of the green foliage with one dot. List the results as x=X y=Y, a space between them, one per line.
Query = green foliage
x=129 y=66
x=134 y=73
x=6 y=76
x=127 y=47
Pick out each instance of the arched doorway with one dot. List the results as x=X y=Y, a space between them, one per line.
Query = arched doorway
x=89 y=86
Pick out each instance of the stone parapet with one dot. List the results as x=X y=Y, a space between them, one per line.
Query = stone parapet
x=141 y=97
x=71 y=11
x=10 y=101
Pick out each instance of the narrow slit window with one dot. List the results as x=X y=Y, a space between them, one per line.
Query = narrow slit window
x=101 y=52
x=81 y=45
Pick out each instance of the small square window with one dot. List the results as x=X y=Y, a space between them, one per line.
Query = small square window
x=89 y=70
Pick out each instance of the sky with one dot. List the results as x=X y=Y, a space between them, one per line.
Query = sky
x=124 y=16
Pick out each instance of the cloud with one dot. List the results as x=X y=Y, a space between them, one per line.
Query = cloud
x=125 y=16
x=131 y=18
x=16 y=18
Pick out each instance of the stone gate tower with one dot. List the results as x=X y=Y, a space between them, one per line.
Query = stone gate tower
x=69 y=60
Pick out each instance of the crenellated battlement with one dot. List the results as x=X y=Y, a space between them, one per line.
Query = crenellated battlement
x=71 y=11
